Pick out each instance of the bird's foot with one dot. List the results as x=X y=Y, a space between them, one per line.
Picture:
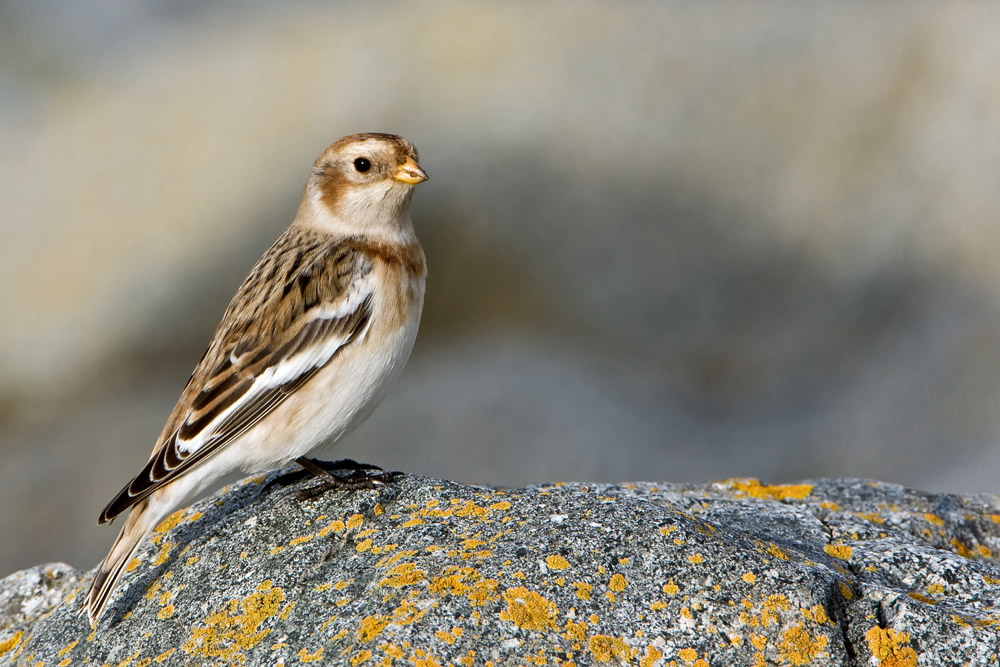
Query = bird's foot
x=360 y=476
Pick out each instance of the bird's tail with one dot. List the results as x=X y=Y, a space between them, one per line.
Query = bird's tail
x=143 y=517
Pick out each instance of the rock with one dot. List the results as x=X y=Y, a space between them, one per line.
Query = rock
x=427 y=572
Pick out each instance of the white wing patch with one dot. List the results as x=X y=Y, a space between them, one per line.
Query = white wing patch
x=290 y=369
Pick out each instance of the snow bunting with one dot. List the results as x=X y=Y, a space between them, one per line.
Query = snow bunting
x=305 y=351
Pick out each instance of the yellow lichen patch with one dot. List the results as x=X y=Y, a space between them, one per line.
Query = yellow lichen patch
x=870 y=516
x=960 y=548
x=300 y=540
x=235 y=628
x=891 y=648
x=991 y=580
x=841 y=551
x=65 y=649
x=323 y=587
x=618 y=583
x=132 y=564
x=501 y=506
x=995 y=518
x=412 y=522
x=845 y=591
x=334 y=526
x=191 y=561
x=687 y=654
x=395 y=558
x=798 y=647
x=697 y=559
x=371 y=626
x=165 y=612
x=404 y=574
x=556 y=562
x=167 y=524
x=670 y=588
x=830 y=505
x=306 y=656
x=984 y=551
x=749 y=577
x=446 y=637
x=164 y=656
x=364 y=545
x=575 y=631
x=361 y=656
x=921 y=597
x=606 y=649
x=773 y=606
x=776 y=551
x=933 y=518
x=354 y=521
x=935 y=589
x=583 y=589
x=465 y=581
x=755 y=489
x=657 y=605
x=652 y=657
x=528 y=610
x=816 y=613
x=163 y=554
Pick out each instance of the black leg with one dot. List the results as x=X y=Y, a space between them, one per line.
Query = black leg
x=323 y=470
x=362 y=476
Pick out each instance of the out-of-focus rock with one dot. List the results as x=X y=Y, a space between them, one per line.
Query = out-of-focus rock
x=825 y=572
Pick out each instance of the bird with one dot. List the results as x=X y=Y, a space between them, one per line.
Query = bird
x=306 y=350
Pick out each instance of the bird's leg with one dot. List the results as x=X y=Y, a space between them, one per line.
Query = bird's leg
x=362 y=476
x=322 y=469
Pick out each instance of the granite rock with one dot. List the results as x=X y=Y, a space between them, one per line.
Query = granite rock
x=429 y=572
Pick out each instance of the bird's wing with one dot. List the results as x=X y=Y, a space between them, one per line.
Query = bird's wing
x=305 y=301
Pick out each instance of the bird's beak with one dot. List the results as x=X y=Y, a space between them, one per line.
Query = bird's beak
x=410 y=172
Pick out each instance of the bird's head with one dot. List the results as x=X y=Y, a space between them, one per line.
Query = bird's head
x=364 y=181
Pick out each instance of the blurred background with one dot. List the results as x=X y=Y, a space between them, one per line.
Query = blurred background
x=667 y=241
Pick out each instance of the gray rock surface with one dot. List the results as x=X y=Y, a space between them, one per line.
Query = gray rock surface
x=427 y=572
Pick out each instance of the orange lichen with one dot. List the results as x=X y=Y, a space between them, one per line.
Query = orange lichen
x=670 y=588
x=776 y=551
x=556 y=562
x=798 y=647
x=583 y=590
x=687 y=654
x=749 y=577
x=617 y=583
x=306 y=656
x=404 y=574
x=235 y=628
x=754 y=489
x=890 y=647
x=651 y=658
x=371 y=626
x=841 y=551
x=606 y=649
x=528 y=610
x=164 y=656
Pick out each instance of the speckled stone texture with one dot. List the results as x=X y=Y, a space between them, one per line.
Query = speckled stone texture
x=425 y=572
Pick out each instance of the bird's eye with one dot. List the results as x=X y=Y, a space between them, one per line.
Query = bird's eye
x=362 y=164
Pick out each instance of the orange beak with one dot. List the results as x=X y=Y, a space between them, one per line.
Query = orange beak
x=410 y=172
